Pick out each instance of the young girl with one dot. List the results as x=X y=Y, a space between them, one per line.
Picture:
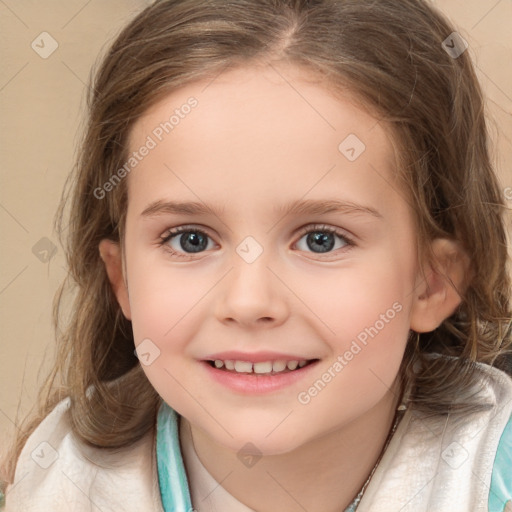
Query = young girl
x=290 y=263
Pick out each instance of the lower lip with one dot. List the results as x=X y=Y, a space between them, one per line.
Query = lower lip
x=254 y=384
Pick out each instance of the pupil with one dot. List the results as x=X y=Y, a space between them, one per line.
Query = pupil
x=196 y=240
x=325 y=241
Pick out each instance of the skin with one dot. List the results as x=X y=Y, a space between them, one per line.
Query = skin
x=254 y=143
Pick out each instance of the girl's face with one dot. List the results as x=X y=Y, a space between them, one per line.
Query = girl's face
x=295 y=246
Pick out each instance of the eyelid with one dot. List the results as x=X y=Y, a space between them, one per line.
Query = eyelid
x=309 y=228
x=173 y=232
x=185 y=228
x=343 y=233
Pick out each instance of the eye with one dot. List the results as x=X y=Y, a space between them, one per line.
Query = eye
x=322 y=239
x=187 y=239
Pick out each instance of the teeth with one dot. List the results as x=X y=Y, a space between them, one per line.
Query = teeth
x=265 y=367
x=243 y=367
x=292 y=365
x=278 y=366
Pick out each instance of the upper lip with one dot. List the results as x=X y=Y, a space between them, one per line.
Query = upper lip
x=255 y=357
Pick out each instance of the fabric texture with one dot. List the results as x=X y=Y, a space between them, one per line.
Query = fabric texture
x=445 y=463
x=174 y=486
x=432 y=463
x=500 y=497
x=56 y=472
x=207 y=494
x=442 y=464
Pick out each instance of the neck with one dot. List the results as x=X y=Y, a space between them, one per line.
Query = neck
x=338 y=463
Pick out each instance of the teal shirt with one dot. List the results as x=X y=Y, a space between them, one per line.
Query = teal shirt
x=174 y=488
x=501 y=482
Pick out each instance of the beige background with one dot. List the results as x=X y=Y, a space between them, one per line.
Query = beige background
x=41 y=102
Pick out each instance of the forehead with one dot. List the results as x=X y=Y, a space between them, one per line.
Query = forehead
x=262 y=132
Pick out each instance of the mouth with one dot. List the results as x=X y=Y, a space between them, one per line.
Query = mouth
x=264 y=368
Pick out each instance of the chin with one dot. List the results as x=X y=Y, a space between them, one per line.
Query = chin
x=267 y=441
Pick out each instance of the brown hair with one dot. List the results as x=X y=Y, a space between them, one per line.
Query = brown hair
x=389 y=54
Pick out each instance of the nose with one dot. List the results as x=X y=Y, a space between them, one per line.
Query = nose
x=252 y=296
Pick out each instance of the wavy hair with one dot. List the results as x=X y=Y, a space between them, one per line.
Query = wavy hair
x=389 y=55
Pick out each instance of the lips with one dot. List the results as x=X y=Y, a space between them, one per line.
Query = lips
x=258 y=363
x=256 y=357
x=244 y=379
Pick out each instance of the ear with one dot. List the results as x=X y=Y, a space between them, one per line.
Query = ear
x=437 y=292
x=110 y=253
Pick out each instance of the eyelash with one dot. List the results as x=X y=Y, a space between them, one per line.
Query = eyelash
x=304 y=231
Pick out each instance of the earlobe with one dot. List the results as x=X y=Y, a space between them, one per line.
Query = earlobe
x=110 y=253
x=437 y=294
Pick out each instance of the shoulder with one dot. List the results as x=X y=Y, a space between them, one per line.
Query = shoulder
x=445 y=462
x=57 y=471
x=487 y=410
x=497 y=383
x=500 y=496
x=485 y=424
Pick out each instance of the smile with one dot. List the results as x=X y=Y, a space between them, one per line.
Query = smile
x=260 y=368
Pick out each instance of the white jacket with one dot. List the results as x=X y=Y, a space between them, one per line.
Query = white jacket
x=432 y=464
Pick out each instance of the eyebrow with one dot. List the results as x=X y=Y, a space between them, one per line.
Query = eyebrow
x=297 y=207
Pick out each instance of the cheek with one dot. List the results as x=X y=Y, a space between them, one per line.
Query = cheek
x=379 y=308
x=367 y=308
x=162 y=299
x=371 y=290
x=165 y=307
x=371 y=333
